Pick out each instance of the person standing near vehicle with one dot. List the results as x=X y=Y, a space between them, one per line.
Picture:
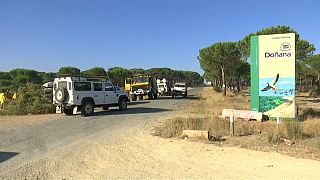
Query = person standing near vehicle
x=15 y=95
x=2 y=99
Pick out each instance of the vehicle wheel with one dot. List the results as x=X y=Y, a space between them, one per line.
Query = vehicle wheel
x=122 y=104
x=155 y=96
x=172 y=95
x=134 y=97
x=87 y=108
x=184 y=96
x=68 y=111
x=105 y=108
x=61 y=95
x=150 y=95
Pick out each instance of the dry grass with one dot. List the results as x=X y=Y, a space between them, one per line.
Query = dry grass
x=264 y=136
x=211 y=103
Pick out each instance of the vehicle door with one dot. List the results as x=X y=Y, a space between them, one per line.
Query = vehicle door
x=98 y=93
x=81 y=90
x=111 y=96
x=128 y=83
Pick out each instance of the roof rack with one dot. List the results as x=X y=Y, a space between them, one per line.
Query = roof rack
x=80 y=75
x=83 y=77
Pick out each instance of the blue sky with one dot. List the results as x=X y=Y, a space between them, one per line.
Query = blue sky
x=47 y=34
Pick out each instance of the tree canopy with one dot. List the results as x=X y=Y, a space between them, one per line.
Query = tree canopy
x=69 y=70
x=303 y=47
x=18 y=77
x=118 y=75
x=217 y=61
x=221 y=58
x=97 y=71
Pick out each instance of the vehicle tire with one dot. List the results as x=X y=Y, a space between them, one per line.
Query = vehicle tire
x=105 y=108
x=123 y=104
x=184 y=96
x=68 y=111
x=87 y=108
x=172 y=95
x=155 y=96
x=61 y=95
x=133 y=97
x=150 y=95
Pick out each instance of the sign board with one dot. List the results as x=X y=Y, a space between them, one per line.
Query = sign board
x=244 y=114
x=273 y=74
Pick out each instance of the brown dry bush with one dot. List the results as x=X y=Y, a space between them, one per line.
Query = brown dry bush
x=210 y=105
x=294 y=130
x=174 y=127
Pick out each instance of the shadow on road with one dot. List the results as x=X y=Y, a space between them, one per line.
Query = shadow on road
x=6 y=155
x=190 y=97
x=137 y=110
x=138 y=102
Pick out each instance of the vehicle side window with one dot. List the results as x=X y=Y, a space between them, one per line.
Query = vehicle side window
x=109 y=87
x=129 y=81
x=97 y=86
x=82 y=86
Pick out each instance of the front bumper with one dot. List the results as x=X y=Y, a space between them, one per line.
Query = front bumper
x=141 y=92
x=179 y=92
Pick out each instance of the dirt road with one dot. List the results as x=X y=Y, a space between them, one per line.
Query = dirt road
x=117 y=144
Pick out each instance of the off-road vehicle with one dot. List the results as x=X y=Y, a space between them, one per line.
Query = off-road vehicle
x=86 y=93
x=179 y=89
x=163 y=87
x=141 y=85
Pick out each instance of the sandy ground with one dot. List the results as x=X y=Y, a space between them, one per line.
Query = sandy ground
x=19 y=121
x=135 y=154
x=129 y=151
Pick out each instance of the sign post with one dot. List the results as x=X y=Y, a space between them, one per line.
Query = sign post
x=231 y=125
x=273 y=74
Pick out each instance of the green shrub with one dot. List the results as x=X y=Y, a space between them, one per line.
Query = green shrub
x=31 y=100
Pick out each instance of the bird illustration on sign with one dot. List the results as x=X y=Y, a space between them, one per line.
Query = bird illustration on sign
x=272 y=85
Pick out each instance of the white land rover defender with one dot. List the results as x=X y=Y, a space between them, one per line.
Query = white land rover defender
x=179 y=89
x=163 y=88
x=86 y=93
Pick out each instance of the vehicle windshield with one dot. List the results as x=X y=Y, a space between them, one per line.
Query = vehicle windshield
x=141 y=79
x=179 y=85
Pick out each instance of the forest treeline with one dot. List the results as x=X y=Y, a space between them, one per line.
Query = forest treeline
x=15 y=78
x=226 y=64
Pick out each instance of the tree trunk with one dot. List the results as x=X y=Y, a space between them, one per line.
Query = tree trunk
x=300 y=84
x=318 y=84
x=224 y=85
x=238 y=84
